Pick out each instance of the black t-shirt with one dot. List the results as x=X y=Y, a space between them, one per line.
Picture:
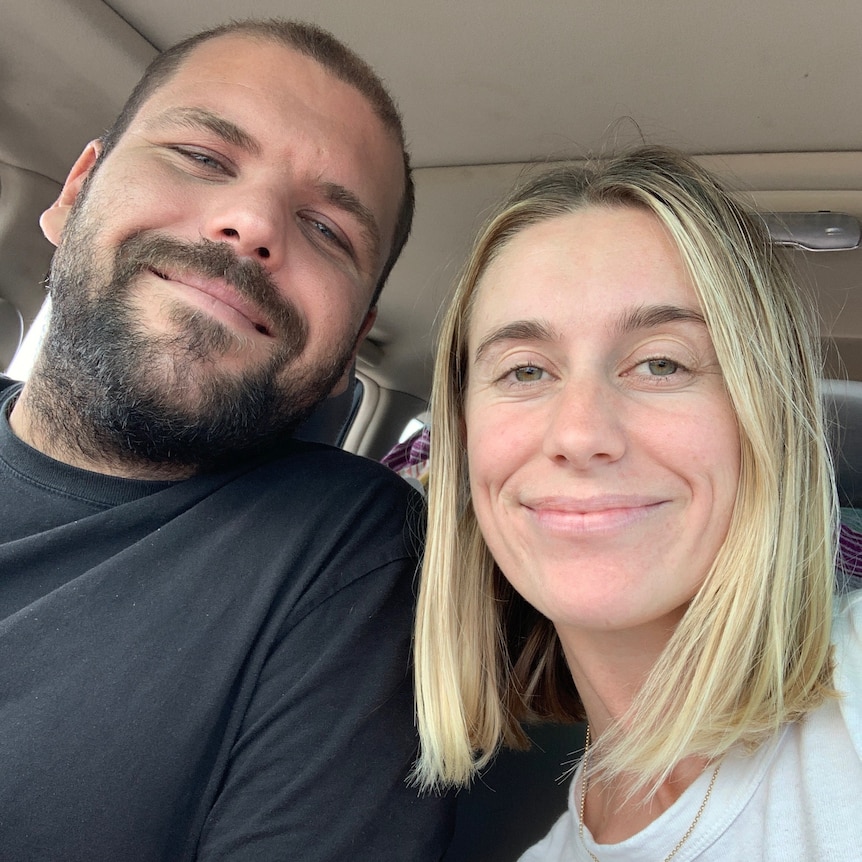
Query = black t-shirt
x=209 y=669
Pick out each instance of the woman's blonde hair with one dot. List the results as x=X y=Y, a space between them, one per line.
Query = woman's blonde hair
x=752 y=651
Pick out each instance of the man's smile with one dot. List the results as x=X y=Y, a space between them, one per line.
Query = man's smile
x=217 y=297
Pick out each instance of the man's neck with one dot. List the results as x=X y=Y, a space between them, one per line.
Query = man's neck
x=54 y=429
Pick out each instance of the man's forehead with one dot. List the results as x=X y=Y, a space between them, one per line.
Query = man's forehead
x=237 y=58
x=234 y=55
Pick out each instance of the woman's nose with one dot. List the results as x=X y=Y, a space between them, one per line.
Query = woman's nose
x=585 y=424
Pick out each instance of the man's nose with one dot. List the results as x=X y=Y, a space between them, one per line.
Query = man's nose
x=253 y=222
x=585 y=425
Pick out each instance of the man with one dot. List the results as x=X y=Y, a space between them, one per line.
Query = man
x=204 y=626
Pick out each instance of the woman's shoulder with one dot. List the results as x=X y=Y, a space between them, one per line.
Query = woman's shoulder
x=847 y=623
x=559 y=845
x=847 y=638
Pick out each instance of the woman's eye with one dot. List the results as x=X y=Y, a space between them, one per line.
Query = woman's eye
x=527 y=373
x=662 y=367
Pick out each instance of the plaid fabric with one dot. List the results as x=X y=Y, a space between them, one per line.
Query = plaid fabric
x=850 y=551
x=410 y=458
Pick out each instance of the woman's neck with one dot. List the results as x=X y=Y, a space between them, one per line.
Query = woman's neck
x=612 y=813
x=609 y=669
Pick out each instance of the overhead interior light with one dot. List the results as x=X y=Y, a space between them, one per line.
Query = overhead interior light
x=819 y=231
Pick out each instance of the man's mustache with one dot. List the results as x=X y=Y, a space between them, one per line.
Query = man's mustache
x=218 y=260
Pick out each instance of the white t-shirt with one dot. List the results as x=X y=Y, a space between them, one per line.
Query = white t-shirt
x=797 y=798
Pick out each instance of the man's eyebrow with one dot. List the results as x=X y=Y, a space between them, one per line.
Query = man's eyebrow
x=517 y=330
x=348 y=202
x=199 y=118
x=337 y=195
x=651 y=316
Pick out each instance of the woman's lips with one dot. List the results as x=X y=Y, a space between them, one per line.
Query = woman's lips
x=593 y=515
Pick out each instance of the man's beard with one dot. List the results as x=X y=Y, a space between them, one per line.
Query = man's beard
x=116 y=393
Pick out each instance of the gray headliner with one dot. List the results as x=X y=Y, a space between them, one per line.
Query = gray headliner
x=483 y=87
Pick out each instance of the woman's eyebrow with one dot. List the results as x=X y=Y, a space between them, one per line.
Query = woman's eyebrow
x=517 y=330
x=642 y=317
x=651 y=316
x=199 y=118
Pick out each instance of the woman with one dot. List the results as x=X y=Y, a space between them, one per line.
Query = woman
x=632 y=522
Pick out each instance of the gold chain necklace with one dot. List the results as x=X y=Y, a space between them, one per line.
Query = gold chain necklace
x=584 y=800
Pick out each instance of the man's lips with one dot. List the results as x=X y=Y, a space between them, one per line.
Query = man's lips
x=220 y=294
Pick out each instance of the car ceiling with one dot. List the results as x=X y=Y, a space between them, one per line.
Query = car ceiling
x=768 y=91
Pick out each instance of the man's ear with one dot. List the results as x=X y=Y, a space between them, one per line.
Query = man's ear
x=342 y=384
x=53 y=220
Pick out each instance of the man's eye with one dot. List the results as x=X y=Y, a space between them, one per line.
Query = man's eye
x=204 y=160
x=327 y=233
